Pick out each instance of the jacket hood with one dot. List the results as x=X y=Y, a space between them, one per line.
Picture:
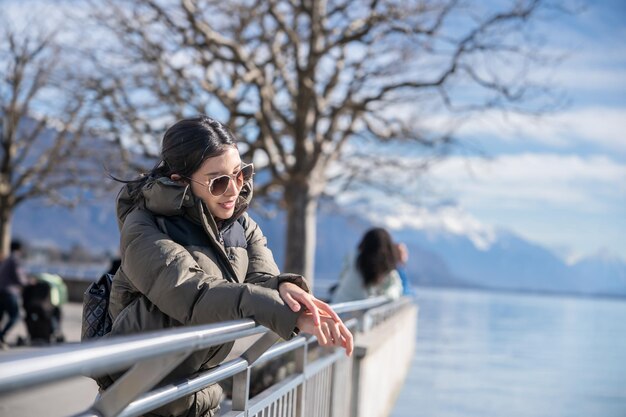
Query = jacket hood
x=165 y=197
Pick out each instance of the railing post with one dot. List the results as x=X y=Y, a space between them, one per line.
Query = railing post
x=365 y=323
x=341 y=388
x=241 y=390
x=301 y=362
x=359 y=354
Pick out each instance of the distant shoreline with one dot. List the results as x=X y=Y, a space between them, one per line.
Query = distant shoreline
x=525 y=291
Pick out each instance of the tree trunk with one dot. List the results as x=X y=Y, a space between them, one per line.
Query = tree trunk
x=5 y=228
x=301 y=224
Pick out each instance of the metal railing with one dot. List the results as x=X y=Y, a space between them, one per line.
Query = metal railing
x=319 y=387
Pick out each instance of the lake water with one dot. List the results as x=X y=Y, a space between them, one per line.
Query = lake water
x=492 y=354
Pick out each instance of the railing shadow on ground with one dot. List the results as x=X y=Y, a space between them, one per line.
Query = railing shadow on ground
x=318 y=381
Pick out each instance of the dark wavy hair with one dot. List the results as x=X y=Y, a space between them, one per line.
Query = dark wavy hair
x=376 y=257
x=185 y=147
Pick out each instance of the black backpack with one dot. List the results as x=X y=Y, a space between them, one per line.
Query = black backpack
x=96 y=318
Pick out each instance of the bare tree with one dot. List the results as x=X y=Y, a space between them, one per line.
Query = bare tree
x=46 y=151
x=306 y=83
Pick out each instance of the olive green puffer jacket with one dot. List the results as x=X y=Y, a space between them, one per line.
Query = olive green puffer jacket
x=180 y=268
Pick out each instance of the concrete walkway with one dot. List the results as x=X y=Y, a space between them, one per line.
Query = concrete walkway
x=52 y=400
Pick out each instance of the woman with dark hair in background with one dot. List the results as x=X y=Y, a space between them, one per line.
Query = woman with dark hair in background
x=372 y=272
x=190 y=255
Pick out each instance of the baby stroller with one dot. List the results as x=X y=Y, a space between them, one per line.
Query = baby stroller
x=42 y=306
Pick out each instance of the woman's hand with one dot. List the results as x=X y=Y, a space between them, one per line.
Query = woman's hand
x=296 y=297
x=329 y=332
x=318 y=319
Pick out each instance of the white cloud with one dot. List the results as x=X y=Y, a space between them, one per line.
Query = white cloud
x=590 y=77
x=40 y=15
x=603 y=127
x=593 y=183
x=395 y=214
x=451 y=219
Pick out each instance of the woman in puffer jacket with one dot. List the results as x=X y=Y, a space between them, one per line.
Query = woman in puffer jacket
x=191 y=255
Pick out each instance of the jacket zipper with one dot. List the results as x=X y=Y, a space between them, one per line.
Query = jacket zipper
x=222 y=257
x=229 y=270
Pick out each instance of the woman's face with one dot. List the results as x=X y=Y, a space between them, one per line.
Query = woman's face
x=221 y=207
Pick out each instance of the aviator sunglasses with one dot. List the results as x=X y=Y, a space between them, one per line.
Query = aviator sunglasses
x=217 y=186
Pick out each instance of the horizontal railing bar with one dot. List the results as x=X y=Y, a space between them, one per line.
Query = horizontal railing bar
x=358 y=305
x=386 y=308
x=280 y=349
x=169 y=393
x=109 y=355
x=398 y=304
x=271 y=394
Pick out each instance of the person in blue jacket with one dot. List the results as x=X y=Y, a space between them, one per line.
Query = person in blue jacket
x=402 y=255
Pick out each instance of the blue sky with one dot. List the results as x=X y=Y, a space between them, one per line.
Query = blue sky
x=561 y=180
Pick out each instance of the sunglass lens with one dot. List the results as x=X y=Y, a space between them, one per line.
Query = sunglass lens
x=244 y=175
x=219 y=185
x=247 y=172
